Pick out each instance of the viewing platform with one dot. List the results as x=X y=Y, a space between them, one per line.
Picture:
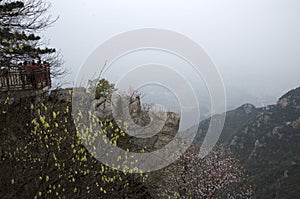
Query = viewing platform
x=33 y=78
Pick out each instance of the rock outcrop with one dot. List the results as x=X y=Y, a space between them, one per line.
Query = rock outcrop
x=164 y=129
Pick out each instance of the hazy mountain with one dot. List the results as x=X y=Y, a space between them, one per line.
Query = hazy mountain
x=267 y=141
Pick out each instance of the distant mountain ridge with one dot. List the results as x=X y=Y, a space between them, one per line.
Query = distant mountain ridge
x=267 y=142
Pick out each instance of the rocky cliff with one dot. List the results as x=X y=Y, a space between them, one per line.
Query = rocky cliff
x=267 y=141
x=106 y=109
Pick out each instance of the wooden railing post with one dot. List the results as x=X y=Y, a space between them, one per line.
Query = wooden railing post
x=20 y=79
x=48 y=77
x=7 y=80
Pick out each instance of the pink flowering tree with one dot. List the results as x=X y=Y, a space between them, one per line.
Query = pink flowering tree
x=217 y=175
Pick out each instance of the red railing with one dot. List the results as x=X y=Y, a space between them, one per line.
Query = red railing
x=29 y=79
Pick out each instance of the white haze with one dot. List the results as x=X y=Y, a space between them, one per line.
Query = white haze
x=255 y=44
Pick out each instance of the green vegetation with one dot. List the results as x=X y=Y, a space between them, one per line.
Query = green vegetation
x=101 y=88
x=43 y=157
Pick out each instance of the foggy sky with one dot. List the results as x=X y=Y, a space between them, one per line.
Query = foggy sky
x=255 y=44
